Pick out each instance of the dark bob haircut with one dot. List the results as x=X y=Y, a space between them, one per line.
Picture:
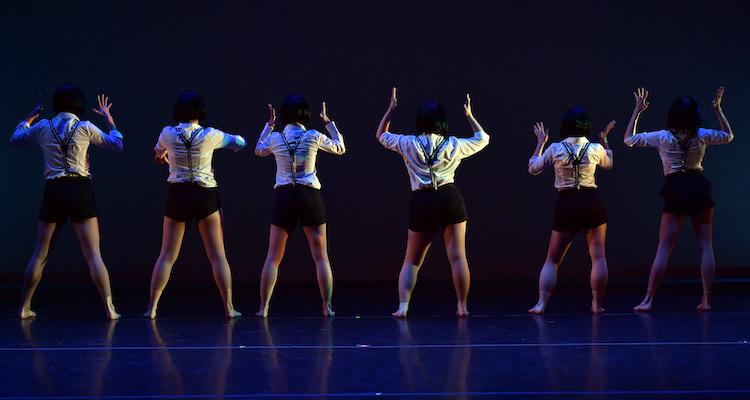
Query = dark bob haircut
x=189 y=107
x=575 y=122
x=432 y=118
x=294 y=110
x=69 y=98
x=684 y=114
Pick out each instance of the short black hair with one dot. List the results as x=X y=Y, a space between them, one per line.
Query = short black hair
x=432 y=118
x=575 y=122
x=294 y=110
x=684 y=114
x=69 y=98
x=189 y=107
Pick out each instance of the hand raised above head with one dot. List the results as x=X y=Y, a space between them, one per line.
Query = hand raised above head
x=394 y=100
x=717 y=98
x=603 y=134
x=641 y=104
x=323 y=114
x=467 y=106
x=104 y=106
x=542 y=134
x=272 y=115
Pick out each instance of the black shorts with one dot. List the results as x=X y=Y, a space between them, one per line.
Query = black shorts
x=431 y=210
x=578 y=210
x=294 y=203
x=686 y=193
x=65 y=197
x=186 y=201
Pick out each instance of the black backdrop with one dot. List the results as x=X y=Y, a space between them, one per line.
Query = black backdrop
x=522 y=62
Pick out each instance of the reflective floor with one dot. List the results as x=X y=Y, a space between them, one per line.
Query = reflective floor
x=70 y=351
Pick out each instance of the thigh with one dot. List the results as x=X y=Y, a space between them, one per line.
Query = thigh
x=451 y=204
x=455 y=239
x=416 y=246
x=316 y=239
x=212 y=234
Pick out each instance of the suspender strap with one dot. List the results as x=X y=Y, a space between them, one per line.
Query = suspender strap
x=188 y=146
x=292 y=153
x=431 y=158
x=64 y=144
x=684 y=145
x=576 y=159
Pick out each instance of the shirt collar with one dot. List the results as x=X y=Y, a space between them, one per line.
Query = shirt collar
x=576 y=140
x=294 y=127
x=67 y=115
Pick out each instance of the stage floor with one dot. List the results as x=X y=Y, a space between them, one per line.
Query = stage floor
x=71 y=352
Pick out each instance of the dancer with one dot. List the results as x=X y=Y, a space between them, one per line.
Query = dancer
x=188 y=148
x=297 y=192
x=579 y=206
x=431 y=160
x=65 y=143
x=686 y=192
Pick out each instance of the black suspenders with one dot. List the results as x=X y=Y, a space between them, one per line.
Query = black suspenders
x=431 y=158
x=64 y=144
x=293 y=154
x=576 y=159
x=188 y=145
x=684 y=145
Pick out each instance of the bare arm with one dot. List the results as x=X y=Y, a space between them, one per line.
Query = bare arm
x=470 y=116
x=641 y=104
x=385 y=123
x=720 y=113
x=603 y=134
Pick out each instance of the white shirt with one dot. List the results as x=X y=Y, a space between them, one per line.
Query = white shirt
x=447 y=159
x=303 y=171
x=77 y=155
x=204 y=142
x=565 y=177
x=671 y=152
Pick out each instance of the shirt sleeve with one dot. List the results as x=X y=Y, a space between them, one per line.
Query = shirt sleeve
x=537 y=164
x=645 y=139
x=391 y=141
x=334 y=144
x=110 y=141
x=161 y=148
x=468 y=146
x=605 y=157
x=715 y=136
x=263 y=147
x=223 y=140
x=24 y=134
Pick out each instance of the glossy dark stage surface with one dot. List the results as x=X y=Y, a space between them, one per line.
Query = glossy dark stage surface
x=70 y=351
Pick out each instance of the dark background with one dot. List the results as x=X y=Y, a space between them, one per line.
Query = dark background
x=522 y=62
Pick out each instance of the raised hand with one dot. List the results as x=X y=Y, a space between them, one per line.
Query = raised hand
x=323 y=114
x=272 y=115
x=542 y=134
x=641 y=104
x=467 y=107
x=394 y=100
x=104 y=106
x=36 y=111
x=605 y=132
x=717 y=98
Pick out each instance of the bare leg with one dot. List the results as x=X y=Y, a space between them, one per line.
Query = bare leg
x=702 y=225
x=88 y=236
x=668 y=230
x=276 y=246
x=212 y=234
x=455 y=246
x=316 y=238
x=595 y=239
x=45 y=235
x=559 y=242
x=416 y=249
x=171 y=240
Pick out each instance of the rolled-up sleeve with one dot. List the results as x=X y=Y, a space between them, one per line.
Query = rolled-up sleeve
x=263 y=148
x=715 y=136
x=110 y=141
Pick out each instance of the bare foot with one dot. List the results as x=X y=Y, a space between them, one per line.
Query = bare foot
x=26 y=313
x=704 y=306
x=645 y=305
x=461 y=310
x=538 y=308
x=597 y=310
x=150 y=313
x=262 y=313
x=112 y=315
x=328 y=311
x=233 y=314
x=403 y=309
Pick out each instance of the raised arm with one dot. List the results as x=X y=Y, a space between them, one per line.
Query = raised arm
x=335 y=144
x=103 y=110
x=21 y=135
x=720 y=113
x=261 y=148
x=603 y=134
x=385 y=123
x=542 y=135
x=641 y=105
x=470 y=116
